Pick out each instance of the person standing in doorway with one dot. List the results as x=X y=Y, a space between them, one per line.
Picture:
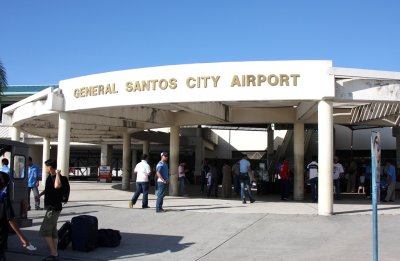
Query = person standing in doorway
x=203 y=180
x=33 y=183
x=162 y=181
x=236 y=181
x=338 y=172
x=391 y=181
x=182 y=170
x=143 y=172
x=368 y=176
x=284 y=173
x=312 y=168
x=53 y=204
x=226 y=180
x=244 y=177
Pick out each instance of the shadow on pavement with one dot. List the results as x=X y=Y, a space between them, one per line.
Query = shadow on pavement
x=132 y=245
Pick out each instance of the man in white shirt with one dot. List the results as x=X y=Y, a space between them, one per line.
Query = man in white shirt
x=143 y=172
x=312 y=168
x=338 y=171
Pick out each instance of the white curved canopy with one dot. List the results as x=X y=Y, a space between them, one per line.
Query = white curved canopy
x=103 y=105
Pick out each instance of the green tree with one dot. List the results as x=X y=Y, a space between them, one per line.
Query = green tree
x=3 y=79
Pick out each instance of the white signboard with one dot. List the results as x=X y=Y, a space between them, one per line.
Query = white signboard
x=232 y=81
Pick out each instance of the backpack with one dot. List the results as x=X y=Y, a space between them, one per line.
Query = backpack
x=65 y=189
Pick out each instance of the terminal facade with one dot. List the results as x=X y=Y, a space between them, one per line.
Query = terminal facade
x=119 y=108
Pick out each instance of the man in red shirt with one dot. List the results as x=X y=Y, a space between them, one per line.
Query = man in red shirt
x=284 y=174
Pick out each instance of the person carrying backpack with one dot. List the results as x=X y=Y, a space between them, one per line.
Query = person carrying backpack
x=54 y=195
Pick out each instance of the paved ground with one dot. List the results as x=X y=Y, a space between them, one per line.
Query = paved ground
x=197 y=228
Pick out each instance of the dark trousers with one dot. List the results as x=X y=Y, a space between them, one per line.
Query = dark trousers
x=213 y=186
x=336 y=184
x=284 y=189
x=314 y=189
x=236 y=184
x=367 y=185
x=141 y=187
x=203 y=181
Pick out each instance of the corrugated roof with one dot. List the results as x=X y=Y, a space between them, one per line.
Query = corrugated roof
x=26 y=89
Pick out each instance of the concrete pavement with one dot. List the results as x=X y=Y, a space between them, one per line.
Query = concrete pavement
x=197 y=228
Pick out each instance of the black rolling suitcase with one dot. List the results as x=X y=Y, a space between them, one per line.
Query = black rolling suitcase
x=64 y=235
x=84 y=233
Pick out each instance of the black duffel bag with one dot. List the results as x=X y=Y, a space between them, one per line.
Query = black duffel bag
x=108 y=238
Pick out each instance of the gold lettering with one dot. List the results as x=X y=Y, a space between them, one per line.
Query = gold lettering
x=145 y=85
x=101 y=89
x=163 y=84
x=189 y=82
x=154 y=82
x=136 y=87
x=128 y=86
x=295 y=76
x=215 y=80
x=251 y=79
x=273 y=80
x=94 y=90
x=205 y=79
x=261 y=79
x=76 y=93
x=173 y=83
x=235 y=81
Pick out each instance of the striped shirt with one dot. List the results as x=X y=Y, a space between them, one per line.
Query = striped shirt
x=313 y=169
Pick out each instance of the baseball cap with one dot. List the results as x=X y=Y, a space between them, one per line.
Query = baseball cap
x=165 y=154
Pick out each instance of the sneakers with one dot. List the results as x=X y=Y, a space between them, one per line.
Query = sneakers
x=130 y=204
x=252 y=201
x=244 y=202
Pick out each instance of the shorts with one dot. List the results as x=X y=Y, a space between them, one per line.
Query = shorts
x=49 y=225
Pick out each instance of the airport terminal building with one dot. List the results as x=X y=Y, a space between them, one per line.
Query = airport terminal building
x=307 y=99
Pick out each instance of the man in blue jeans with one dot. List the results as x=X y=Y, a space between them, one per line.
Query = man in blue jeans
x=143 y=172
x=244 y=177
x=162 y=181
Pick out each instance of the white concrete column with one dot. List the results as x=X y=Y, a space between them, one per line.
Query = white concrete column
x=46 y=156
x=270 y=148
x=298 y=190
x=106 y=154
x=146 y=147
x=15 y=133
x=134 y=162
x=126 y=160
x=325 y=158
x=199 y=152
x=173 y=160
x=63 y=148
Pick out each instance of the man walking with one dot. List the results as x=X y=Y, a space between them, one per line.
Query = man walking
x=312 y=168
x=245 y=171
x=33 y=183
x=143 y=172
x=338 y=171
x=391 y=181
x=52 y=202
x=162 y=181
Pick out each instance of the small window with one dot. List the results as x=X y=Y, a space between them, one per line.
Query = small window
x=19 y=167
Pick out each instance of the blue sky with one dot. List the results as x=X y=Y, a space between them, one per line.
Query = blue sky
x=43 y=42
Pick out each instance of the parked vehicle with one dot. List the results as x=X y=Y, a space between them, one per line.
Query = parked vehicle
x=17 y=155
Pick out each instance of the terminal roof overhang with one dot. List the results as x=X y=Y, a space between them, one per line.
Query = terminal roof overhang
x=362 y=97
